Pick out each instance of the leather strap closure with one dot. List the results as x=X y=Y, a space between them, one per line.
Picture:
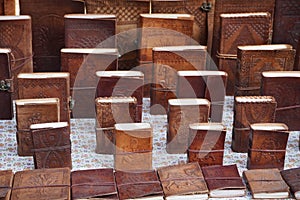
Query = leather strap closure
x=6 y=85
x=288 y=107
x=247 y=88
x=56 y=148
x=40 y=186
x=269 y=150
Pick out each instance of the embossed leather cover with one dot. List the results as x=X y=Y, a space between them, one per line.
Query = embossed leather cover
x=181 y=113
x=138 y=185
x=90 y=31
x=6 y=106
x=249 y=110
x=292 y=177
x=52 y=145
x=94 y=183
x=6 y=182
x=204 y=84
x=47 y=85
x=236 y=6
x=255 y=59
x=286 y=26
x=134 y=144
x=241 y=29
x=224 y=179
x=48 y=26
x=267 y=145
x=206 y=143
x=41 y=184
x=181 y=180
x=265 y=182
x=16 y=35
x=279 y=84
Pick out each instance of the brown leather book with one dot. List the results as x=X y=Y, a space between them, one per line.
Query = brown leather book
x=139 y=185
x=90 y=31
x=182 y=113
x=184 y=181
x=112 y=110
x=12 y=27
x=236 y=6
x=278 y=84
x=204 y=84
x=206 y=143
x=249 y=110
x=41 y=184
x=241 y=29
x=266 y=183
x=286 y=28
x=48 y=26
x=9 y=7
x=1 y=7
x=224 y=181
x=94 y=184
x=267 y=145
x=52 y=145
x=33 y=111
x=163 y=30
x=297 y=59
x=6 y=182
x=6 y=85
x=47 y=85
x=292 y=178
x=134 y=144
x=122 y=84
x=252 y=60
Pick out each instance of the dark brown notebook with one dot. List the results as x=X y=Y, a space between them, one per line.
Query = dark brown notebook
x=266 y=184
x=206 y=143
x=6 y=183
x=241 y=29
x=252 y=60
x=184 y=181
x=292 y=178
x=90 y=31
x=47 y=27
x=47 y=85
x=134 y=144
x=181 y=113
x=224 y=181
x=94 y=184
x=249 y=110
x=42 y=184
x=6 y=85
x=267 y=145
x=52 y=145
x=282 y=85
x=138 y=185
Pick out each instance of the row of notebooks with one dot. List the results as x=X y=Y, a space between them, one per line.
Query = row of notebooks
x=185 y=181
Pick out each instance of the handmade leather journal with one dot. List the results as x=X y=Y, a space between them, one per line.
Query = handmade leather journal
x=292 y=178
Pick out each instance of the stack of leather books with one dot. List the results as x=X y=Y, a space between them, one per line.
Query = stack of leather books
x=6 y=183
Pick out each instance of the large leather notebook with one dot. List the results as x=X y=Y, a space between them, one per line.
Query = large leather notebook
x=90 y=31
x=139 y=185
x=94 y=184
x=204 y=84
x=6 y=85
x=249 y=110
x=206 y=143
x=241 y=29
x=47 y=85
x=266 y=183
x=12 y=27
x=181 y=113
x=224 y=181
x=292 y=178
x=33 y=111
x=267 y=145
x=252 y=60
x=42 y=184
x=279 y=85
x=134 y=144
x=52 y=145
x=48 y=26
x=6 y=182
x=185 y=181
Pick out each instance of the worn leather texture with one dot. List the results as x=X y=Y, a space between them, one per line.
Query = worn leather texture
x=292 y=177
x=6 y=182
